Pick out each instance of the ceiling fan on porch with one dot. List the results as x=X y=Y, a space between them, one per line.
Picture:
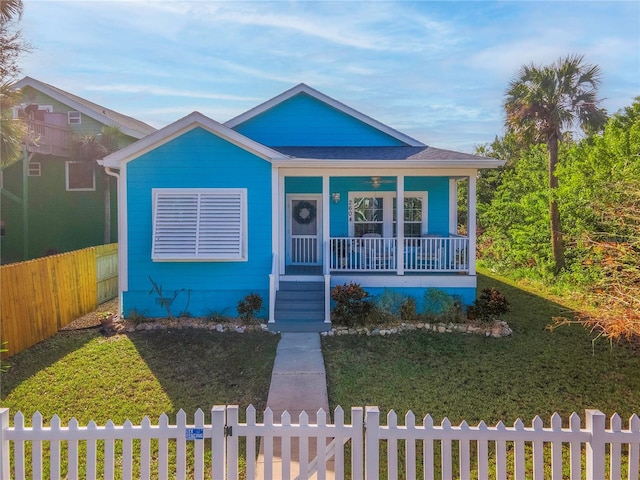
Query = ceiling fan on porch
x=376 y=181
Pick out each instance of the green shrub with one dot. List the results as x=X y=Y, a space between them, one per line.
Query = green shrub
x=490 y=305
x=249 y=306
x=408 y=310
x=442 y=307
x=389 y=304
x=351 y=307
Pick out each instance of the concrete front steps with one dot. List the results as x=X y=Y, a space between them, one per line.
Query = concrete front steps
x=300 y=307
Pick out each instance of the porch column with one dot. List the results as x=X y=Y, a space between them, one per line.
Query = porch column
x=279 y=220
x=400 y=223
x=453 y=206
x=326 y=231
x=471 y=224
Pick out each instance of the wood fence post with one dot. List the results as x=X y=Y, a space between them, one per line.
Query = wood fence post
x=4 y=444
x=595 y=461
x=372 y=443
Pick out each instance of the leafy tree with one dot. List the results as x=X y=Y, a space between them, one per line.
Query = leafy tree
x=541 y=103
x=516 y=223
x=91 y=148
x=11 y=48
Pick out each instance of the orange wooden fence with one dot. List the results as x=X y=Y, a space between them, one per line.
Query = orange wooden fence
x=40 y=296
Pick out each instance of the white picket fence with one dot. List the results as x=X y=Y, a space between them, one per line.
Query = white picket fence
x=303 y=450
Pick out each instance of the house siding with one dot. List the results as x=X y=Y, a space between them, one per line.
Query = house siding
x=305 y=121
x=197 y=159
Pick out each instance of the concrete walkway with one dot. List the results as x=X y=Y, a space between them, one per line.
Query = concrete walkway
x=298 y=382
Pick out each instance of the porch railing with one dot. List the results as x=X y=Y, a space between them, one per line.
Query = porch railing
x=427 y=254
x=48 y=139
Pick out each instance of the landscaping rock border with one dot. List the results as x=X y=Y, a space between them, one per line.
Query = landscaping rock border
x=497 y=329
x=117 y=325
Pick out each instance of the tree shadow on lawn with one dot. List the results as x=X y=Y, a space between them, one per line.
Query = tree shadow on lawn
x=27 y=363
x=91 y=377
x=201 y=368
x=536 y=371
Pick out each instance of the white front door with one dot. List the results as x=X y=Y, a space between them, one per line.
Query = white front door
x=304 y=229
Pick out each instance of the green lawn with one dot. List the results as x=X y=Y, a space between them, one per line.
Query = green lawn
x=462 y=376
x=473 y=378
x=84 y=375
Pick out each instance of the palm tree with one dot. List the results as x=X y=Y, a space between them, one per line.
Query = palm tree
x=10 y=9
x=90 y=148
x=541 y=103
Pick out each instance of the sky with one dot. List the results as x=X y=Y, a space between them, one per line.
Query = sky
x=436 y=71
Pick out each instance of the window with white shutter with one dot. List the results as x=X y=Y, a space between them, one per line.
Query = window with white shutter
x=199 y=225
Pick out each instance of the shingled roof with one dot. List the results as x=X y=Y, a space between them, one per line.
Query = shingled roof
x=129 y=125
x=376 y=153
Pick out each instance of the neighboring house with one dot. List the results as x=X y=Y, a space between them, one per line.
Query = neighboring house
x=297 y=195
x=50 y=202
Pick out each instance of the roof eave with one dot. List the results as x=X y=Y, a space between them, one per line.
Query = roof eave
x=180 y=127
x=44 y=88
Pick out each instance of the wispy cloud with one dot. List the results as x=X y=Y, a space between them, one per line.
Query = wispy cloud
x=166 y=92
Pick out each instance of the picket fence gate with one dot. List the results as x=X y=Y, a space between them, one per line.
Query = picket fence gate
x=317 y=450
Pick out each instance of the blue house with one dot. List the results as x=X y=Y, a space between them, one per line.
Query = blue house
x=287 y=200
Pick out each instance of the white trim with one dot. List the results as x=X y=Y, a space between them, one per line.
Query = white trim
x=66 y=171
x=281 y=223
x=70 y=102
x=180 y=127
x=123 y=235
x=275 y=212
x=389 y=165
x=326 y=233
x=471 y=226
x=400 y=196
x=319 y=219
x=409 y=281
x=302 y=88
x=453 y=206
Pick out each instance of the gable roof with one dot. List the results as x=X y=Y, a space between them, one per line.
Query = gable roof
x=305 y=89
x=128 y=125
x=180 y=127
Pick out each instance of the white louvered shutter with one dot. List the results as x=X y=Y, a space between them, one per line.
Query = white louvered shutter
x=220 y=225
x=199 y=225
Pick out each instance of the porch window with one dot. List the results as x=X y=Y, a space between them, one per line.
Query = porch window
x=377 y=215
x=368 y=216
x=199 y=225
x=413 y=216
